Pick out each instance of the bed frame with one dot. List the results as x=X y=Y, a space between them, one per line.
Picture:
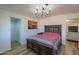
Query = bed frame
x=42 y=49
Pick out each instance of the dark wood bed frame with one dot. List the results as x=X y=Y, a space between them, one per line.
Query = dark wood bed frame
x=42 y=49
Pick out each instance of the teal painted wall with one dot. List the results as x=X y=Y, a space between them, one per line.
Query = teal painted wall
x=15 y=29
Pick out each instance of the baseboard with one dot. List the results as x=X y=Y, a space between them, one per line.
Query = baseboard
x=73 y=41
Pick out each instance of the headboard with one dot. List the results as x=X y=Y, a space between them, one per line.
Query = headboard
x=53 y=28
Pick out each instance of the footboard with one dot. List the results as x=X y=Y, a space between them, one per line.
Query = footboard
x=39 y=48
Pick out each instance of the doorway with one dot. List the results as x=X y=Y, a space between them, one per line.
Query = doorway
x=72 y=36
x=72 y=29
x=15 y=32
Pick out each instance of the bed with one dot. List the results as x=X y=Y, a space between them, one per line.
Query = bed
x=46 y=43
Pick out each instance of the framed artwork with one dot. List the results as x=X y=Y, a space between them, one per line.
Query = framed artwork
x=32 y=24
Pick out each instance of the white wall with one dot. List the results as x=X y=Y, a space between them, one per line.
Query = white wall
x=55 y=20
x=5 y=29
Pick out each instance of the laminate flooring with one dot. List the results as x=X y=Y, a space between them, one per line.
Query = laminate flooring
x=71 y=48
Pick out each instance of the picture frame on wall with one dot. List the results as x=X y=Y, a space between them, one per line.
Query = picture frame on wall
x=32 y=24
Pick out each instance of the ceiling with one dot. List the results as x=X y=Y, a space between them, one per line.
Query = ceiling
x=26 y=9
x=73 y=20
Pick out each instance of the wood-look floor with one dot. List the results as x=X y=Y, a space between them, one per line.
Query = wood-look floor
x=71 y=48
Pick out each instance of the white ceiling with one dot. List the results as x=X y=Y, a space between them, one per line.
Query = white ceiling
x=25 y=9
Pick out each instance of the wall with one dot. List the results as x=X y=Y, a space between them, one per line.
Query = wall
x=55 y=20
x=5 y=29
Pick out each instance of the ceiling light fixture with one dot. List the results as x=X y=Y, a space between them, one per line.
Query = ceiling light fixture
x=42 y=10
x=67 y=20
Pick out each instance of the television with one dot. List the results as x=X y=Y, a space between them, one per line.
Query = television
x=72 y=28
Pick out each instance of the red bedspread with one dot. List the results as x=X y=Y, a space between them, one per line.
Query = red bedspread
x=50 y=36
